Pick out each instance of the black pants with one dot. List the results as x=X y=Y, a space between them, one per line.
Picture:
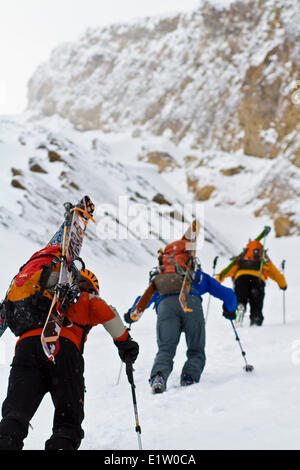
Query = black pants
x=251 y=289
x=32 y=376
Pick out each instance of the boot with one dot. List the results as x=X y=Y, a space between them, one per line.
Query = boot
x=158 y=383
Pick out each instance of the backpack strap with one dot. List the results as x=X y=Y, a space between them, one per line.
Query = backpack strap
x=46 y=273
x=85 y=331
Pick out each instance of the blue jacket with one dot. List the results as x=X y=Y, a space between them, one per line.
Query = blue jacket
x=202 y=284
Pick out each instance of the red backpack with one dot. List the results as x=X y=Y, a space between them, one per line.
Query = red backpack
x=174 y=258
x=28 y=299
x=172 y=267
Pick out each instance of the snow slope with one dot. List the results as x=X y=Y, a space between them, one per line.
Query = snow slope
x=66 y=171
x=228 y=409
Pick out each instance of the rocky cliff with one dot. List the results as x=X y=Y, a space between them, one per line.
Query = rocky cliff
x=223 y=82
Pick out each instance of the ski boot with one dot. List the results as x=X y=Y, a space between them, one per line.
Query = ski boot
x=258 y=321
x=186 y=380
x=158 y=383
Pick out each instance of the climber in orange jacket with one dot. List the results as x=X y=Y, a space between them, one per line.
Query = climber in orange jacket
x=249 y=275
x=33 y=375
x=89 y=311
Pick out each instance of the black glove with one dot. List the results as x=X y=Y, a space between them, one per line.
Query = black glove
x=128 y=350
x=229 y=315
x=283 y=288
x=127 y=317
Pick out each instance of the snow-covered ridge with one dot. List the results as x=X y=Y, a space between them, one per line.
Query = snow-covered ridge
x=220 y=80
x=184 y=73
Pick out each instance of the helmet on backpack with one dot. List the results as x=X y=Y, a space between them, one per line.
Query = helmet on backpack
x=89 y=281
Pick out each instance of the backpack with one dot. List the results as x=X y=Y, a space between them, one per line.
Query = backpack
x=251 y=256
x=29 y=296
x=169 y=275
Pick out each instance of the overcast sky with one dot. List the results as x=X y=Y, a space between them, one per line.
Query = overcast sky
x=30 y=29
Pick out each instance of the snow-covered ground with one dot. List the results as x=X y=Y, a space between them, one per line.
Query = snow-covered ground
x=229 y=408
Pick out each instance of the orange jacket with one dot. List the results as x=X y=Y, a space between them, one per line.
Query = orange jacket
x=89 y=311
x=269 y=270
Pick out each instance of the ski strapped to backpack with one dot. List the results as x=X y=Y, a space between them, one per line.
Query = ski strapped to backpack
x=262 y=235
x=175 y=270
x=191 y=235
x=67 y=290
x=29 y=297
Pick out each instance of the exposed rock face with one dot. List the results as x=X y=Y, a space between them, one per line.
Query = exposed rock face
x=162 y=160
x=268 y=117
x=283 y=226
x=227 y=81
x=204 y=193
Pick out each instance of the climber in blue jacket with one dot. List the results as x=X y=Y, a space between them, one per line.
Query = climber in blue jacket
x=172 y=321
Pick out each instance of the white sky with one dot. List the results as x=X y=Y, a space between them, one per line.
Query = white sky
x=30 y=29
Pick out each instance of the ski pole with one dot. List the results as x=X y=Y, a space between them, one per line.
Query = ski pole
x=248 y=367
x=129 y=372
x=283 y=299
x=214 y=269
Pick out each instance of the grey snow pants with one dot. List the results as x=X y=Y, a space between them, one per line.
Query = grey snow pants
x=171 y=322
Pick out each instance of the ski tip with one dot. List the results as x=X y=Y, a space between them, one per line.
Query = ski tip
x=136 y=315
x=267 y=229
x=192 y=231
x=82 y=211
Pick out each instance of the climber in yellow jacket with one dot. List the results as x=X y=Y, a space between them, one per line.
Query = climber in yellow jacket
x=249 y=275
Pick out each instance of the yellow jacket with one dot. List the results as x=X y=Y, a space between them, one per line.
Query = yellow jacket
x=268 y=271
